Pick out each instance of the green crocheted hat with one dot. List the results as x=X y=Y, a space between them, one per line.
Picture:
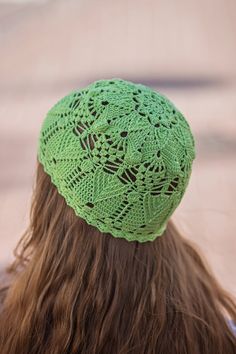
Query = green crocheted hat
x=120 y=154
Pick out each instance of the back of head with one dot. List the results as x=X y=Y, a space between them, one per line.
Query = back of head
x=91 y=274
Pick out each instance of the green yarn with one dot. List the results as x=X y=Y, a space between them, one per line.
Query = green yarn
x=120 y=154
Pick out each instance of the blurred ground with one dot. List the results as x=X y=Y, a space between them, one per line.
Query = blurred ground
x=184 y=49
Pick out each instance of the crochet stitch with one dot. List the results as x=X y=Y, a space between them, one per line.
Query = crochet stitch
x=120 y=154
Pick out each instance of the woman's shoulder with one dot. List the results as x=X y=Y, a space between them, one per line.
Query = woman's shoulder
x=4 y=285
x=232 y=325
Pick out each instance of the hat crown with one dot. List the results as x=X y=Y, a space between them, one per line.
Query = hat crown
x=120 y=154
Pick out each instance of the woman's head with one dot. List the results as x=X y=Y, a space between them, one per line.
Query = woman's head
x=91 y=275
x=83 y=291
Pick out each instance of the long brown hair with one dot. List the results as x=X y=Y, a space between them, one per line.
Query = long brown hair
x=77 y=290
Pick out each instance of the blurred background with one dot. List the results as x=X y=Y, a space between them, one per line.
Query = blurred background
x=184 y=49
